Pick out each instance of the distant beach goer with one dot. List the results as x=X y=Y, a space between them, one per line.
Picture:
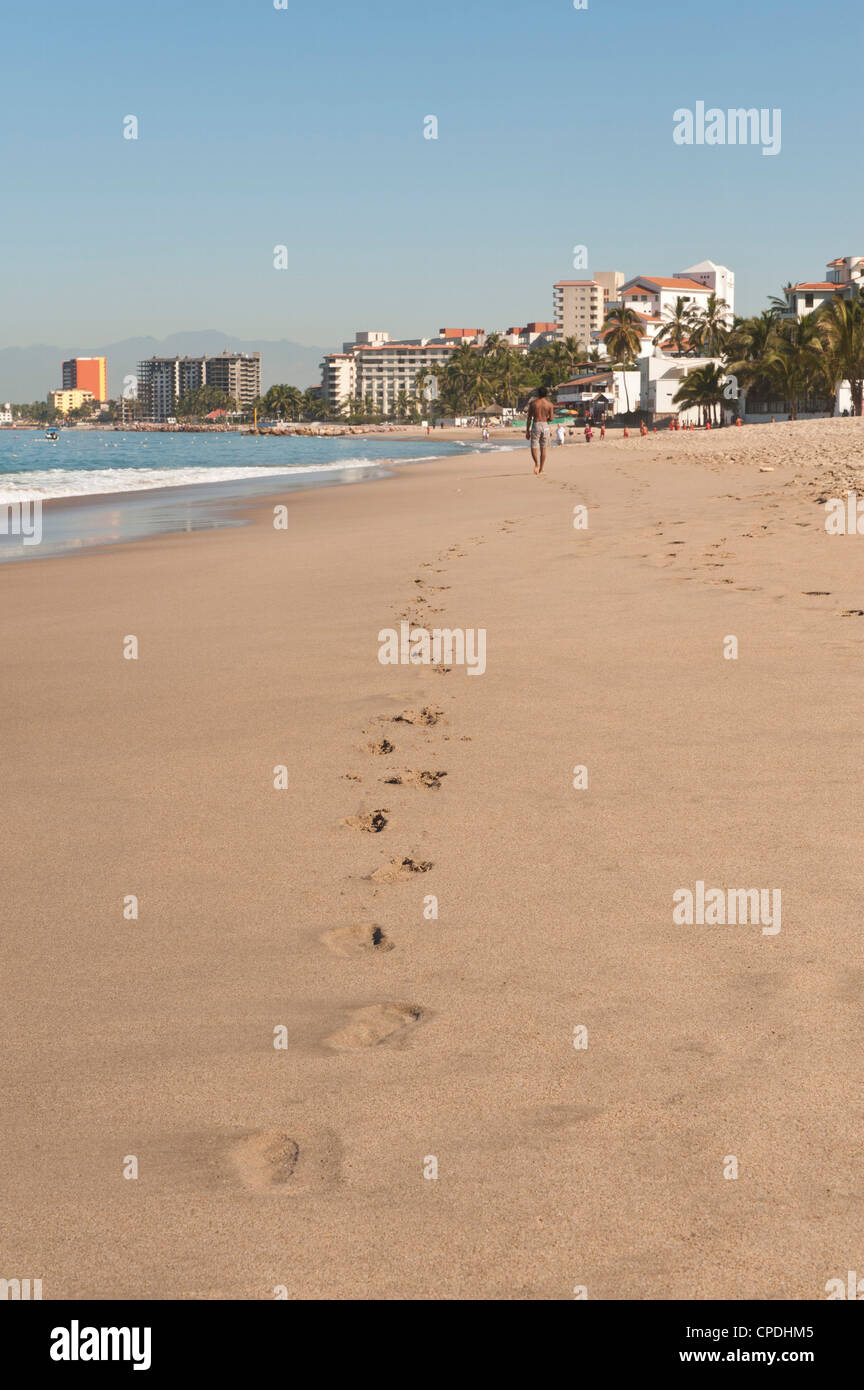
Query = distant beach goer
x=588 y=431
x=538 y=428
x=561 y=436
x=485 y=435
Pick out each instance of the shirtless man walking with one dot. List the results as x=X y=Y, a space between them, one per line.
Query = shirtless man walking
x=539 y=431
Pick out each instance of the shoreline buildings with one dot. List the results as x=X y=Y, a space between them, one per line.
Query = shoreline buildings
x=89 y=374
x=376 y=369
x=163 y=381
x=67 y=399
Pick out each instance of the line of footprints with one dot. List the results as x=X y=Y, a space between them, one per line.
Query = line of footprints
x=378 y=1023
x=270 y=1159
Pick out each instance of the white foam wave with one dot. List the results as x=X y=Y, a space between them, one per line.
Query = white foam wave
x=38 y=485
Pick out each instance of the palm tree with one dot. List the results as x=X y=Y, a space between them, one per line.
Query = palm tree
x=702 y=387
x=710 y=327
x=779 y=302
x=679 y=326
x=313 y=407
x=841 y=327
x=422 y=381
x=748 y=347
x=623 y=332
x=283 y=400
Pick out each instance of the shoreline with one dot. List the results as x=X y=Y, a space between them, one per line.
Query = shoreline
x=167 y=507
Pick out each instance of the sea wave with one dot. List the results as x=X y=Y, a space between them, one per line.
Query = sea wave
x=35 y=485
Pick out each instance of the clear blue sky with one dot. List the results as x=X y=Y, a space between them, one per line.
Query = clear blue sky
x=305 y=127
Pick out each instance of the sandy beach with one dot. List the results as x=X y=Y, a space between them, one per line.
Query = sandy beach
x=409 y=1044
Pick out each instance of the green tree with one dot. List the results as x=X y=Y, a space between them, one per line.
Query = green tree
x=702 y=387
x=283 y=400
x=841 y=329
x=201 y=400
x=623 y=331
x=710 y=328
x=679 y=327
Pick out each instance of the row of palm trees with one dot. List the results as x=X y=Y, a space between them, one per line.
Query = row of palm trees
x=771 y=355
x=799 y=359
x=497 y=373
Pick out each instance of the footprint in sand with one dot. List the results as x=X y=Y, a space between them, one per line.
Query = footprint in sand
x=399 y=869
x=375 y=1024
x=270 y=1160
x=816 y=593
x=381 y=747
x=429 y=715
x=416 y=779
x=851 y=613
x=373 y=822
x=357 y=940
x=265 y=1159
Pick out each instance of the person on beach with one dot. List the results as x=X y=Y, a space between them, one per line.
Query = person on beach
x=560 y=435
x=538 y=429
x=588 y=430
x=485 y=435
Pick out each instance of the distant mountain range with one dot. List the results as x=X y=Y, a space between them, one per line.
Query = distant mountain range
x=28 y=374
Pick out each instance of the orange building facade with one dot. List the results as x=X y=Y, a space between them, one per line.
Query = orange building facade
x=87 y=374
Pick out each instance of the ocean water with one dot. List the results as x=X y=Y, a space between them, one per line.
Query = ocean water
x=173 y=482
x=85 y=462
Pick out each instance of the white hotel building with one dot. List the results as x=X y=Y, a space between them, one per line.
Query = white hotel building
x=844 y=276
x=652 y=387
x=654 y=297
x=375 y=369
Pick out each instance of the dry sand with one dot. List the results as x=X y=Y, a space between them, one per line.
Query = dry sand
x=409 y=1039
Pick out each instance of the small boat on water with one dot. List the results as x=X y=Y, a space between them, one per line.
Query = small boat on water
x=52 y=435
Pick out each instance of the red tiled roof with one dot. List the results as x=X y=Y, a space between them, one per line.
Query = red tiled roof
x=670 y=282
x=815 y=285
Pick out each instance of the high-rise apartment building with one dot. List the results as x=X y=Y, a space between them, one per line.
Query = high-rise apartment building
x=238 y=374
x=580 y=305
x=163 y=381
x=87 y=374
